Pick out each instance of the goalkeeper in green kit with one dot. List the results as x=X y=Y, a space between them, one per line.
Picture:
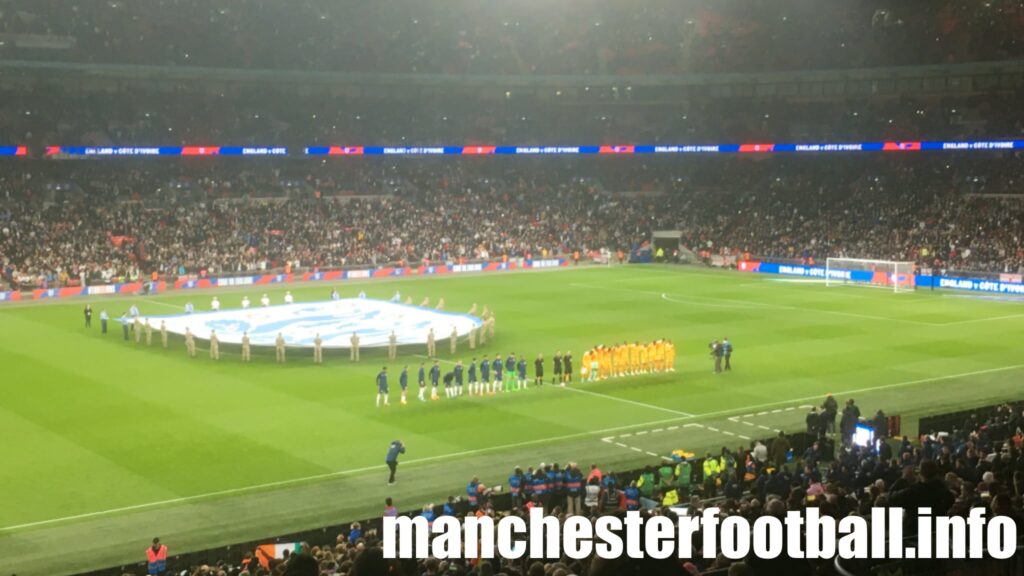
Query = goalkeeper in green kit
x=510 y=372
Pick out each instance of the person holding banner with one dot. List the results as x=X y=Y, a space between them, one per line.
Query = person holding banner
x=353 y=352
x=318 y=350
x=279 y=348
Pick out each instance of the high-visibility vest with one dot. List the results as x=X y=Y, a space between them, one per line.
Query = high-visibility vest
x=683 y=473
x=710 y=467
x=671 y=498
x=158 y=555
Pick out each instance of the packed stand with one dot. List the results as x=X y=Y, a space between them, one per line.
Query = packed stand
x=96 y=222
x=48 y=116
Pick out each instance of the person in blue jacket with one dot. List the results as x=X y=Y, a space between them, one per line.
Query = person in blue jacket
x=496 y=367
x=449 y=507
x=515 y=487
x=485 y=375
x=435 y=379
x=632 y=497
x=397 y=447
x=403 y=381
x=423 y=381
x=471 y=382
x=428 y=513
x=382 y=386
x=458 y=378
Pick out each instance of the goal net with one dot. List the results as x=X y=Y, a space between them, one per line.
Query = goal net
x=892 y=275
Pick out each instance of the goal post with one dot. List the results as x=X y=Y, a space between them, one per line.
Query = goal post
x=889 y=274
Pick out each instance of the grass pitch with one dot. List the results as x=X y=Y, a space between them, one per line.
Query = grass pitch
x=108 y=443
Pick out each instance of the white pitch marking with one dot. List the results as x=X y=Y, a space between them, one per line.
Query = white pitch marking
x=673 y=428
x=280 y=483
x=976 y=320
x=635 y=449
x=621 y=444
x=626 y=401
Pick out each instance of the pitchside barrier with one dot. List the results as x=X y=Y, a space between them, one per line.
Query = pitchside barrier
x=262 y=279
x=1008 y=284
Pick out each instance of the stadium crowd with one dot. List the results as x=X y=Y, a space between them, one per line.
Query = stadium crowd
x=278 y=116
x=96 y=224
x=514 y=38
x=977 y=464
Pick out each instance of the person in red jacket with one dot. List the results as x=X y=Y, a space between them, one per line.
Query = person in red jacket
x=156 y=558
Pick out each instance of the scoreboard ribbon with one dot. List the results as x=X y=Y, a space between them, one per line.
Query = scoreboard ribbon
x=752 y=148
x=480 y=150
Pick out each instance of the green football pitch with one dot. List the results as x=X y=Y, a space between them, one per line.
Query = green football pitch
x=108 y=443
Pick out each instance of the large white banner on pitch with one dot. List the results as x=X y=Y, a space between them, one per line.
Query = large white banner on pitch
x=335 y=321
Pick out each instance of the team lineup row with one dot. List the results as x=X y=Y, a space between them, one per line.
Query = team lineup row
x=490 y=377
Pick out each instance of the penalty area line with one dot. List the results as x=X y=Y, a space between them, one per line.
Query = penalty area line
x=625 y=401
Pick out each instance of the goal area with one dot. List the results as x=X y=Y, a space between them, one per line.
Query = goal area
x=888 y=274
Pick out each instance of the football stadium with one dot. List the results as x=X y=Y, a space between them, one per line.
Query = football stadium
x=273 y=274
